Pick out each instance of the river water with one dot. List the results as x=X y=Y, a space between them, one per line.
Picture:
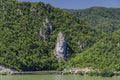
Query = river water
x=54 y=77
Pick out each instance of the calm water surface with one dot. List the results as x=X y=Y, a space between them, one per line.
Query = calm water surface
x=55 y=77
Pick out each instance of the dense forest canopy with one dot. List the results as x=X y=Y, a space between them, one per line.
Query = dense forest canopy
x=105 y=54
x=105 y=19
x=26 y=42
x=28 y=35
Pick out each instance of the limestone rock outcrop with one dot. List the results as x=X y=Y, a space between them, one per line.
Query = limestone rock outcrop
x=46 y=30
x=61 y=47
x=49 y=25
x=42 y=34
x=6 y=70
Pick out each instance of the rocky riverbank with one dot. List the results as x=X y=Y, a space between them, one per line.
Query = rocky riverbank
x=5 y=70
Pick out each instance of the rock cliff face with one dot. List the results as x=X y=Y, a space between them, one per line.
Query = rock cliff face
x=5 y=70
x=47 y=29
x=49 y=25
x=61 y=47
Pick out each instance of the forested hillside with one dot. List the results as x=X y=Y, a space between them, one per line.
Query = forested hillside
x=28 y=33
x=105 y=19
x=105 y=54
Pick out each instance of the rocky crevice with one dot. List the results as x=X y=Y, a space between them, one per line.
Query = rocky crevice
x=46 y=30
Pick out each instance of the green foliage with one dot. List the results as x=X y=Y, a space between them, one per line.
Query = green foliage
x=103 y=73
x=117 y=74
x=27 y=44
x=107 y=73
x=21 y=44
x=80 y=73
x=105 y=54
x=105 y=19
x=93 y=73
x=67 y=73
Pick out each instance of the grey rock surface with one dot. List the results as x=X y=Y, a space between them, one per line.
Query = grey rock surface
x=61 y=47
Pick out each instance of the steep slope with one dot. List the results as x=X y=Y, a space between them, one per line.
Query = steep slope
x=28 y=35
x=105 y=19
x=105 y=54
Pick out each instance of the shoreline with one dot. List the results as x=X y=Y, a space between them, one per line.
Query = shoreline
x=38 y=73
x=72 y=71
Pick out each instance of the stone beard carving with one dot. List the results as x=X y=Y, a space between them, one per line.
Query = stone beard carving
x=61 y=46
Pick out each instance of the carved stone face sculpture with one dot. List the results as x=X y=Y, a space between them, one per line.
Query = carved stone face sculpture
x=60 y=48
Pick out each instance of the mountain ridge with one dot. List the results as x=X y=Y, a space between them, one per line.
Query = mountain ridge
x=27 y=42
x=104 y=19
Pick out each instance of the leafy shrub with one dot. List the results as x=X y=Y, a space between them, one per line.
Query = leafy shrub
x=80 y=73
x=107 y=73
x=117 y=74
x=93 y=73
x=67 y=73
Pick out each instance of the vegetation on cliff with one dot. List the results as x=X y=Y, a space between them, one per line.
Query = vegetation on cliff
x=103 y=55
x=28 y=36
x=28 y=33
x=105 y=19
